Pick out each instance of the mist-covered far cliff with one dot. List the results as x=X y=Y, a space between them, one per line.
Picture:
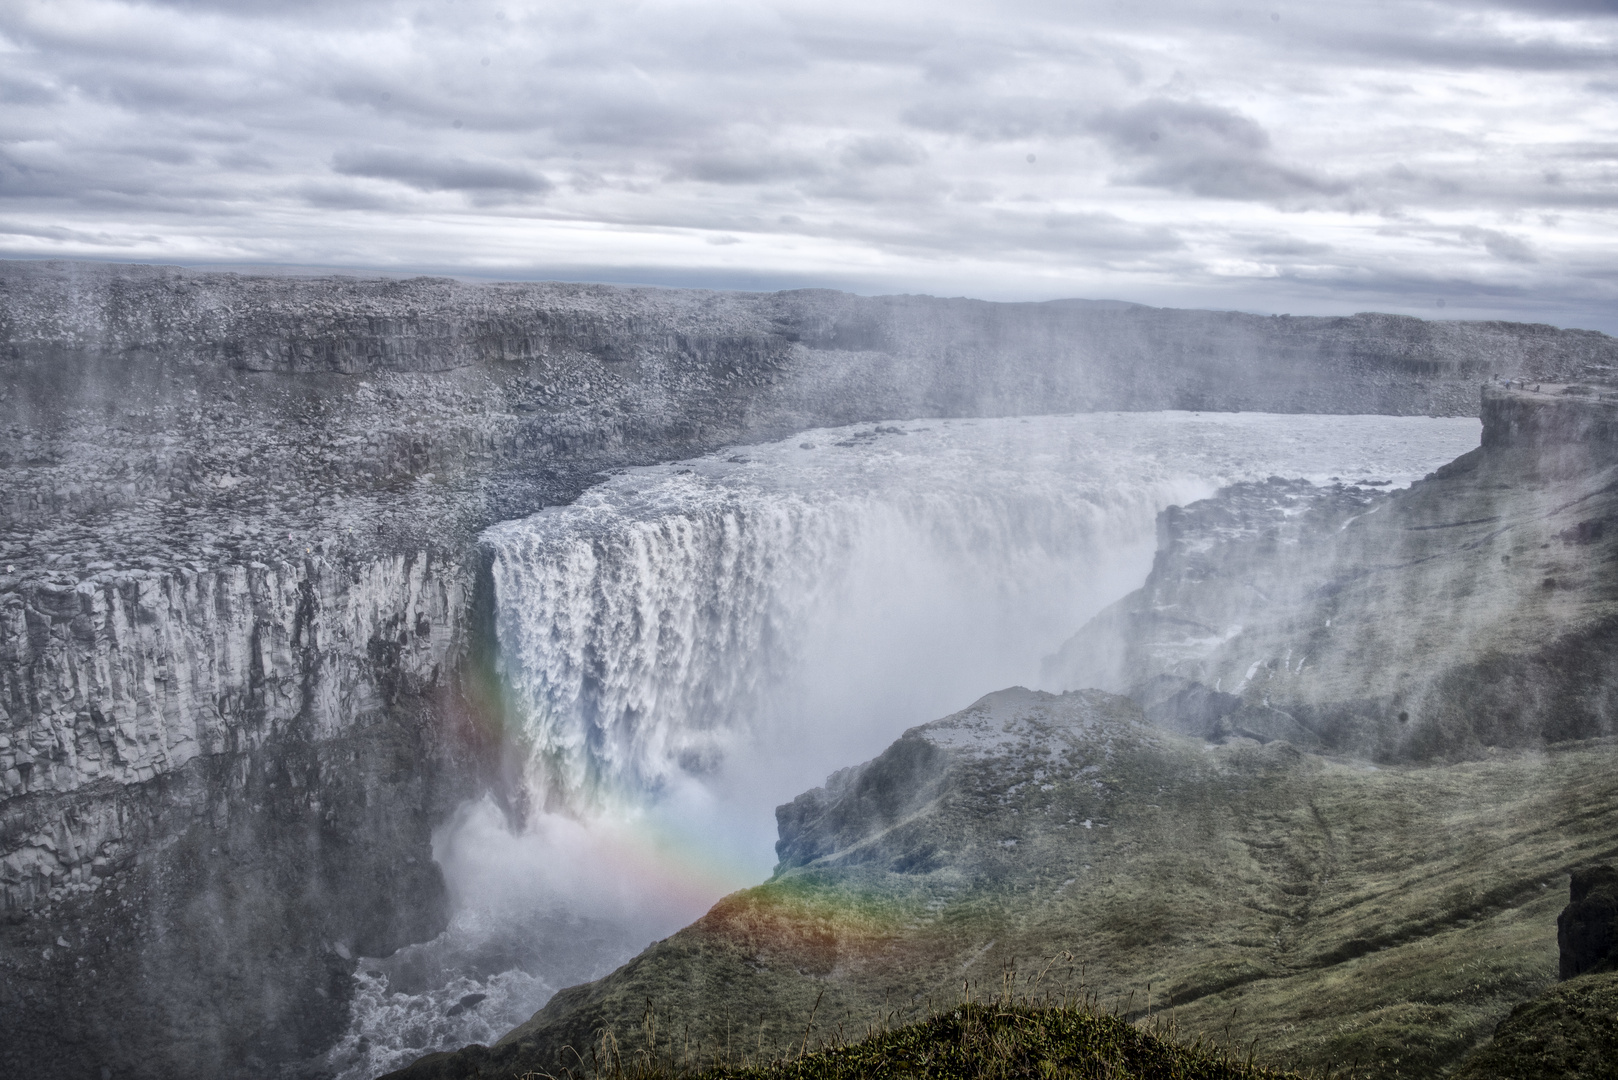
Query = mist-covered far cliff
x=1474 y=613
x=245 y=629
x=154 y=413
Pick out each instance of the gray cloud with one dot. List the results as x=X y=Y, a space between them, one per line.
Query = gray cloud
x=1502 y=245
x=1107 y=233
x=428 y=173
x=1286 y=247
x=1162 y=128
x=1006 y=119
x=36 y=91
x=58 y=233
x=744 y=166
x=1204 y=150
x=343 y=196
x=984 y=148
x=874 y=151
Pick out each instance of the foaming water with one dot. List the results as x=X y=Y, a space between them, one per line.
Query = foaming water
x=687 y=646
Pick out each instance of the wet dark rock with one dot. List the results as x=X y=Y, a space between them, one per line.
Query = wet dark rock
x=1186 y=706
x=467 y=1002
x=1587 y=929
x=860 y=802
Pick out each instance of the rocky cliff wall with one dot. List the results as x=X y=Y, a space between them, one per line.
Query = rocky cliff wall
x=238 y=677
x=1473 y=613
x=129 y=675
x=1546 y=416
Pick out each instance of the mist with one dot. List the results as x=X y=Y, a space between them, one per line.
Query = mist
x=425 y=648
x=690 y=645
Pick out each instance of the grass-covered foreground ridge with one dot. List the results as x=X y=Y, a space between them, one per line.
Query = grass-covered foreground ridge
x=973 y=1041
x=1329 y=914
x=1570 y=1032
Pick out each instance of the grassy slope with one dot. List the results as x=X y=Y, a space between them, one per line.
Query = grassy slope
x=973 y=1040
x=1338 y=915
x=1568 y=1033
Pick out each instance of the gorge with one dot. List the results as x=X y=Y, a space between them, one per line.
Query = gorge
x=1369 y=881
x=687 y=646
x=251 y=647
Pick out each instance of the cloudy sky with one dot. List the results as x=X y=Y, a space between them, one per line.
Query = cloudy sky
x=1439 y=158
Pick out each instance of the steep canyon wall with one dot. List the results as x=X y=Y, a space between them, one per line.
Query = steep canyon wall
x=1471 y=614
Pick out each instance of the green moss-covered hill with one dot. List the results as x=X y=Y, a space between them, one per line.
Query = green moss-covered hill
x=973 y=1041
x=1327 y=914
x=1568 y=1033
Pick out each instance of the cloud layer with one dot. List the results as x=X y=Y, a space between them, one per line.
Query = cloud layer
x=1268 y=156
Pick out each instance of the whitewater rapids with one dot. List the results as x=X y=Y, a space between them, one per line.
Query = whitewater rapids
x=688 y=645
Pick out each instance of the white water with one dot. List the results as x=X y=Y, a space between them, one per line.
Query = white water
x=689 y=645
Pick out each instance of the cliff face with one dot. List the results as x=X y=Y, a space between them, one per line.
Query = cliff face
x=220 y=786
x=1476 y=611
x=239 y=617
x=130 y=675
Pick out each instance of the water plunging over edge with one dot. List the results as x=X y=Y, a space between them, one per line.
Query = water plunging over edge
x=688 y=645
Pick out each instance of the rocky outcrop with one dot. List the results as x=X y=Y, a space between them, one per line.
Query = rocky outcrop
x=862 y=802
x=1474 y=612
x=240 y=676
x=1587 y=929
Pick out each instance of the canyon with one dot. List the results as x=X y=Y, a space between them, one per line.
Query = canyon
x=1363 y=745
x=246 y=622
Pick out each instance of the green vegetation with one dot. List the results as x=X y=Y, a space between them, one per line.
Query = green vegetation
x=1329 y=915
x=1570 y=1033
x=996 y=1041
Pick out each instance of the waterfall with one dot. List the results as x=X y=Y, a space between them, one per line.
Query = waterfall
x=647 y=634
x=678 y=615
x=688 y=645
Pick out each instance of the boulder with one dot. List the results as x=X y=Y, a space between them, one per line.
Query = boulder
x=1587 y=929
